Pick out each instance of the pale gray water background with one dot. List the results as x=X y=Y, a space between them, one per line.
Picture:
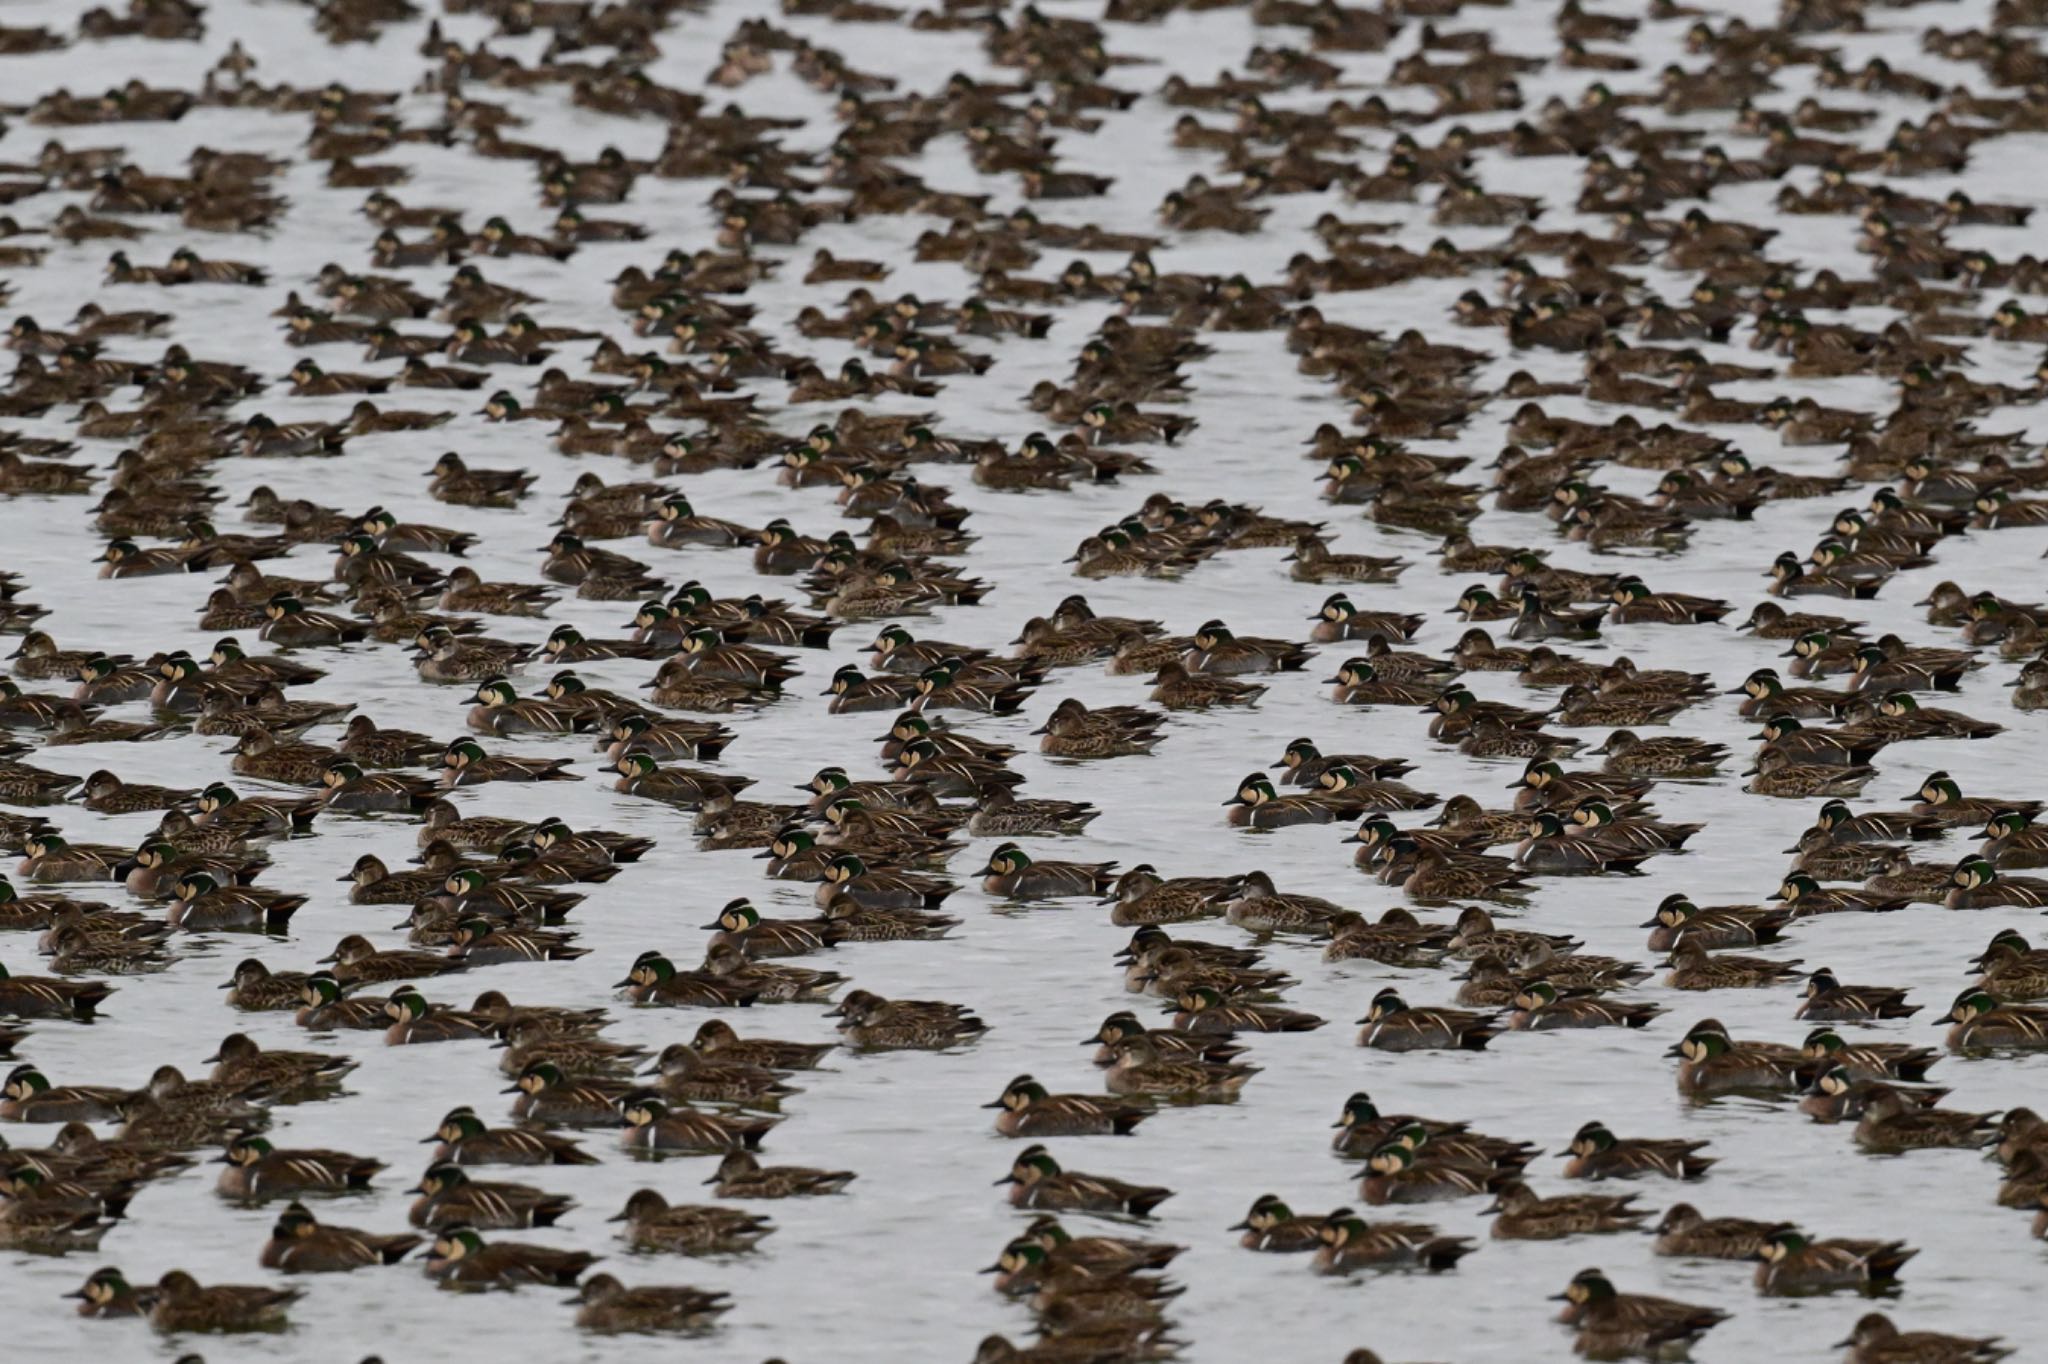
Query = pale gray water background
x=886 y=1271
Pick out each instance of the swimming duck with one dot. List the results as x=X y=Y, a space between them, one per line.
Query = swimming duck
x=464 y=763
x=1351 y=1243
x=300 y=1243
x=1981 y=1022
x=1596 y=1153
x=1806 y=897
x=179 y=1304
x=415 y=1020
x=1013 y=874
x=28 y=1096
x=1714 y=1063
x=348 y=789
x=281 y=1075
x=1392 y=1025
x=460 y=1256
x=1520 y=1214
x=1610 y=1323
x=652 y=1223
x=464 y=1139
x=608 y=1306
x=1073 y=730
x=1216 y=652
x=1273 y=1227
x=741 y=1175
x=1979 y=885
x=1029 y=1110
x=1667 y=758
x=1548 y=849
x=1716 y=927
x=323 y=1007
x=203 y=905
x=1829 y=1001
x=653 y=1124
x=1694 y=968
x=1037 y=1181
x=51 y=997
x=715 y=1038
x=1794 y=1264
x=257 y=1171
x=1875 y=1340
x=1893 y=1123
x=1541 y=1006
x=447 y=1196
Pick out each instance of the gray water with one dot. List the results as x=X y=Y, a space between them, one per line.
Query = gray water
x=885 y=1272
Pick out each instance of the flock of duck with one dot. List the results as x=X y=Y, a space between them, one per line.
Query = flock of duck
x=1582 y=392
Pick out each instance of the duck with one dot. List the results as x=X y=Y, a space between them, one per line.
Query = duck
x=1805 y=897
x=281 y=1075
x=1611 y=1323
x=726 y=962
x=1715 y=927
x=49 y=858
x=465 y=763
x=257 y=1171
x=203 y=905
x=1793 y=1264
x=323 y=1007
x=51 y=997
x=1549 y=850
x=1392 y=1025
x=460 y=1256
x=1876 y=1339
x=1942 y=800
x=1829 y=1001
x=301 y=1244
x=1714 y=1063
x=1893 y=1123
x=1540 y=1006
x=1521 y=1214
x=716 y=1038
x=447 y=1196
x=1673 y=758
x=741 y=1175
x=1216 y=652
x=1029 y=1110
x=655 y=1125
x=415 y=1020
x=347 y=789
x=464 y=1139
x=1350 y=1243
x=654 y=979
x=1002 y=814
x=1014 y=874
x=1596 y=1153
x=1976 y=884
x=1272 y=1227
x=1038 y=1182
x=652 y=1223
x=1685 y=1232
x=1982 y=1023
x=607 y=1306
x=179 y=1304
x=1694 y=968
x=28 y=1096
